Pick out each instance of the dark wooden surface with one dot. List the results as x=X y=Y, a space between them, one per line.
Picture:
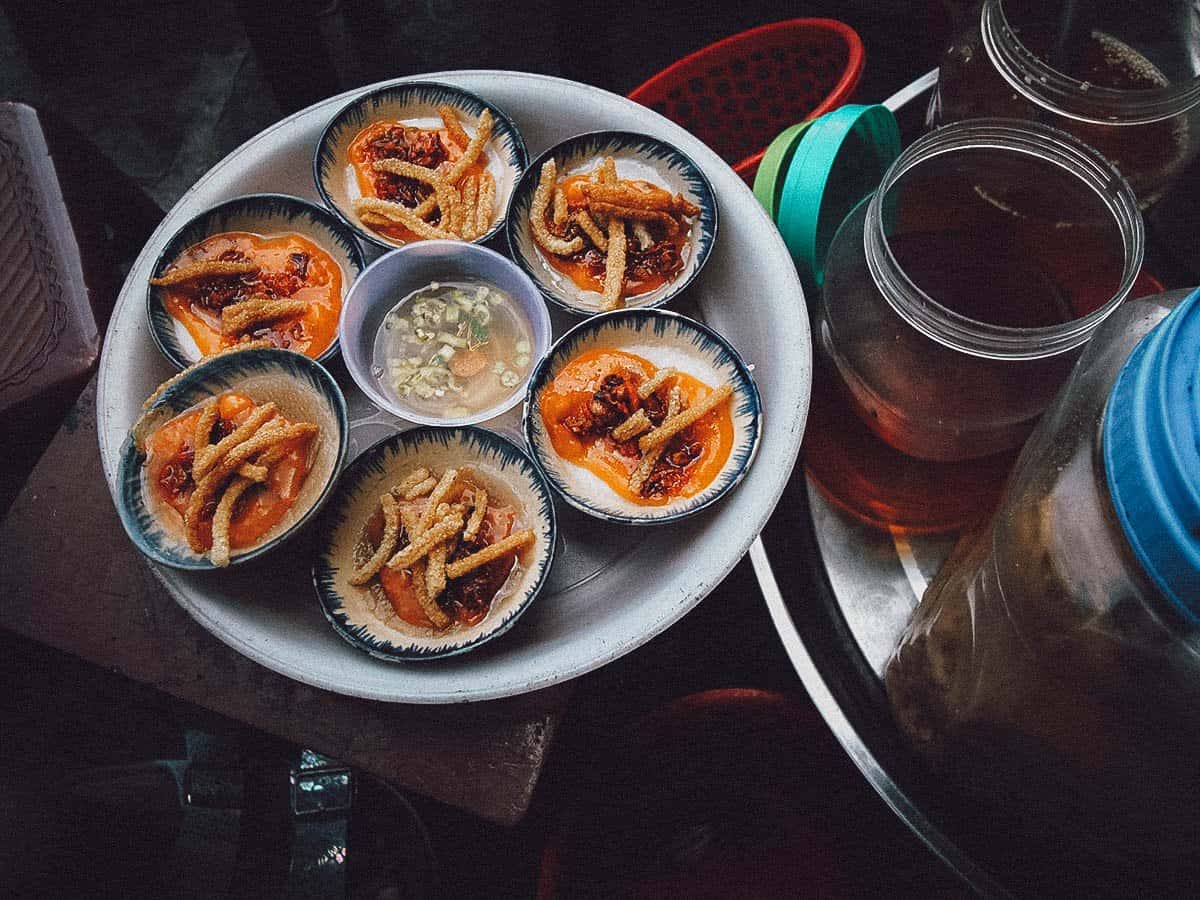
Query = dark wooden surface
x=70 y=579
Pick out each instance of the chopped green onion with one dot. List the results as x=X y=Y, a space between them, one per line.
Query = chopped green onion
x=451 y=339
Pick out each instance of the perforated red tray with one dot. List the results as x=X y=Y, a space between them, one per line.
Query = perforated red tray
x=738 y=93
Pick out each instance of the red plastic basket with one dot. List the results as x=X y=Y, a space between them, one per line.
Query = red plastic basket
x=736 y=95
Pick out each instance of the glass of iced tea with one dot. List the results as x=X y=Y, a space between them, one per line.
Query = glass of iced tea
x=956 y=299
x=1122 y=77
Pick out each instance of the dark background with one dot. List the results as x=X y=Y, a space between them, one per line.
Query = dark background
x=163 y=91
x=167 y=89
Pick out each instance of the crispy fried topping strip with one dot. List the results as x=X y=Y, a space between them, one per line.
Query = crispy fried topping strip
x=202 y=462
x=444 y=530
x=207 y=487
x=483 y=134
x=387 y=543
x=672 y=425
x=588 y=226
x=425 y=207
x=537 y=215
x=439 y=495
x=611 y=211
x=453 y=126
x=480 y=501
x=411 y=480
x=253 y=472
x=624 y=195
x=222 y=519
x=638 y=423
x=607 y=172
x=435 y=571
x=443 y=188
x=420 y=489
x=397 y=212
x=239 y=317
x=648 y=387
x=614 y=266
x=486 y=204
x=429 y=605
x=491 y=552
x=206 y=268
x=470 y=188
x=560 y=208
x=202 y=433
x=638 y=479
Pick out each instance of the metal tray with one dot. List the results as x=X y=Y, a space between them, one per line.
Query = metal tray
x=839 y=593
x=612 y=587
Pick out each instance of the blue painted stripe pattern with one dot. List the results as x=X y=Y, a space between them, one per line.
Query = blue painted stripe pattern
x=261 y=214
x=398 y=101
x=389 y=456
x=675 y=165
x=219 y=375
x=667 y=328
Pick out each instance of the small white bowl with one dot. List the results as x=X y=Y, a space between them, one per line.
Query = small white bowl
x=395 y=275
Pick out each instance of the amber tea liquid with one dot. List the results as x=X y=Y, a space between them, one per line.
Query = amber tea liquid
x=991 y=245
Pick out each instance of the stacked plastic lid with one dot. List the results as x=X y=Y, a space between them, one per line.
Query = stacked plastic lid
x=814 y=173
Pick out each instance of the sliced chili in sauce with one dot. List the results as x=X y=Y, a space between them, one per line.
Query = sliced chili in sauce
x=598 y=390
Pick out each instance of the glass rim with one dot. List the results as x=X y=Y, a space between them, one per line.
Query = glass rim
x=1040 y=83
x=982 y=339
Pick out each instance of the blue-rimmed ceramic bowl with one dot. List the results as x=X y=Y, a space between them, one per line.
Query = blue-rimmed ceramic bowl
x=665 y=339
x=637 y=156
x=363 y=615
x=303 y=391
x=394 y=276
x=264 y=214
x=413 y=103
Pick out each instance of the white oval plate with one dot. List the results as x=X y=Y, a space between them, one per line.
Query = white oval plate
x=613 y=587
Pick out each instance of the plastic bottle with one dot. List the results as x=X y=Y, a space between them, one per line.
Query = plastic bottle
x=1054 y=663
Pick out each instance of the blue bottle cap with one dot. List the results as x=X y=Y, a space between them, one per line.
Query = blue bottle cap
x=1151 y=447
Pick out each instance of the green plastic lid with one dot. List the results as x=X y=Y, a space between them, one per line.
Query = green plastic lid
x=841 y=158
x=772 y=170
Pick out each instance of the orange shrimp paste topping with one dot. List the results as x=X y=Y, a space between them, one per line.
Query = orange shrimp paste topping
x=291 y=267
x=168 y=473
x=646 y=268
x=430 y=148
x=597 y=391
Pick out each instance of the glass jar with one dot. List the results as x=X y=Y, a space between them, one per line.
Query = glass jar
x=959 y=294
x=956 y=299
x=1054 y=662
x=1122 y=77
